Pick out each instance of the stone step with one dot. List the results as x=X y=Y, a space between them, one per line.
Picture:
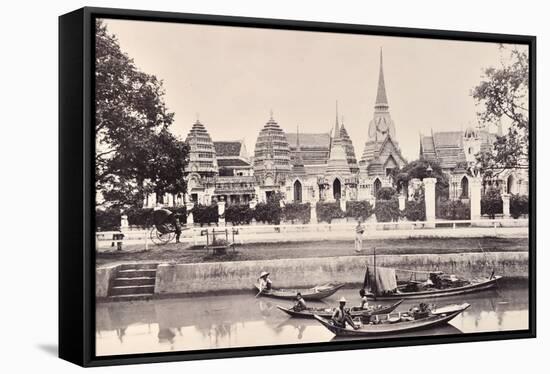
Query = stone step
x=134 y=281
x=132 y=290
x=132 y=297
x=136 y=273
x=138 y=266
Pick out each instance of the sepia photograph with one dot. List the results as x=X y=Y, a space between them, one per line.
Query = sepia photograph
x=263 y=187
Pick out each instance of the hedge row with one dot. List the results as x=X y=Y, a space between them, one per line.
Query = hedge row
x=387 y=210
x=453 y=210
x=415 y=210
x=359 y=209
x=109 y=220
x=519 y=205
x=491 y=203
x=326 y=212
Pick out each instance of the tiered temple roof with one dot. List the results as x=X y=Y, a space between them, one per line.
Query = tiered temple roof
x=202 y=155
x=272 y=151
x=231 y=156
x=350 y=151
x=447 y=147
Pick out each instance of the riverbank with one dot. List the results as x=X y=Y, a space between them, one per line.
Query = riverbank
x=174 y=280
x=185 y=254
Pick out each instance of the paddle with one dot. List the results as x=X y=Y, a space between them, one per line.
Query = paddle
x=259 y=292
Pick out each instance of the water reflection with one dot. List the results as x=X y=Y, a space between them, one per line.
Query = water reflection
x=242 y=320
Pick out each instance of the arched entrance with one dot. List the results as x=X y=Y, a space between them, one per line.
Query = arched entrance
x=510 y=184
x=464 y=187
x=297 y=192
x=376 y=187
x=337 y=189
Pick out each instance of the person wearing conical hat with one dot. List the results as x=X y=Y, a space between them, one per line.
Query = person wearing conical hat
x=341 y=315
x=265 y=282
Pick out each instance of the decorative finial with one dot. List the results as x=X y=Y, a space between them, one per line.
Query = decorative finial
x=271 y=114
x=336 y=127
x=197 y=115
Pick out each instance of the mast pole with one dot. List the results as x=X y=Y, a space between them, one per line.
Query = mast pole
x=375 y=280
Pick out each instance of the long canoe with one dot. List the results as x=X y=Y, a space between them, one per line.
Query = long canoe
x=436 y=318
x=327 y=312
x=435 y=292
x=311 y=294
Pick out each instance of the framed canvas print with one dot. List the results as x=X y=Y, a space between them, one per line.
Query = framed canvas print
x=237 y=186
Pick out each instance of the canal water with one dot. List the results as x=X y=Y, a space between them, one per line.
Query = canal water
x=241 y=320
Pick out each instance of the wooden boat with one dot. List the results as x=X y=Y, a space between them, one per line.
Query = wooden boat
x=383 y=284
x=473 y=286
x=396 y=322
x=311 y=294
x=327 y=312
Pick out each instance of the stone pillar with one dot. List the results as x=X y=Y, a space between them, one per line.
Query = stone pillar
x=401 y=199
x=221 y=211
x=342 y=203
x=252 y=203
x=123 y=222
x=313 y=213
x=189 y=207
x=475 y=197
x=506 y=205
x=371 y=200
x=429 y=198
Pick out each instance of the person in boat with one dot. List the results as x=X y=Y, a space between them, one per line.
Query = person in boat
x=359 y=230
x=364 y=301
x=265 y=282
x=341 y=316
x=300 y=303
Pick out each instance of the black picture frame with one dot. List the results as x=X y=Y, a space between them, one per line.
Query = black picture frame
x=76 y=185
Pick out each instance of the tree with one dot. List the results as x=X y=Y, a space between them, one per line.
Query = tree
x=504 y=94
x=491 y=203
x=135 y=152
x=419 y=169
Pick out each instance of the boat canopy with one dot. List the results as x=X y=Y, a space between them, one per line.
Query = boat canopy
x=380 y=280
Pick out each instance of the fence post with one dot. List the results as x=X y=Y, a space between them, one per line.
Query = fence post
x=221 y=211
x=475 y=198
x=506 y=205
x=401 y=199
x=313 y=213
x=429 y=199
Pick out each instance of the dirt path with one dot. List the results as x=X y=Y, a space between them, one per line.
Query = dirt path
x=182 y=253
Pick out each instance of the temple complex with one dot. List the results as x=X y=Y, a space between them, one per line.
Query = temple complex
x=311 y=167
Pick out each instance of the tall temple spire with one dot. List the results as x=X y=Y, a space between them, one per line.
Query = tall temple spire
x=381 y=98
x=298 y=166
x=336 y=125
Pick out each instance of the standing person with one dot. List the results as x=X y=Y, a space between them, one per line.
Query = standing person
x=265 y=282
x=167 y=221
x=341 y=316
x=300 y=303
x=359 y=230
x=175 y=219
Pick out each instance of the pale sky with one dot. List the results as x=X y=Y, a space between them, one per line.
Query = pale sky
x=232 y=77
